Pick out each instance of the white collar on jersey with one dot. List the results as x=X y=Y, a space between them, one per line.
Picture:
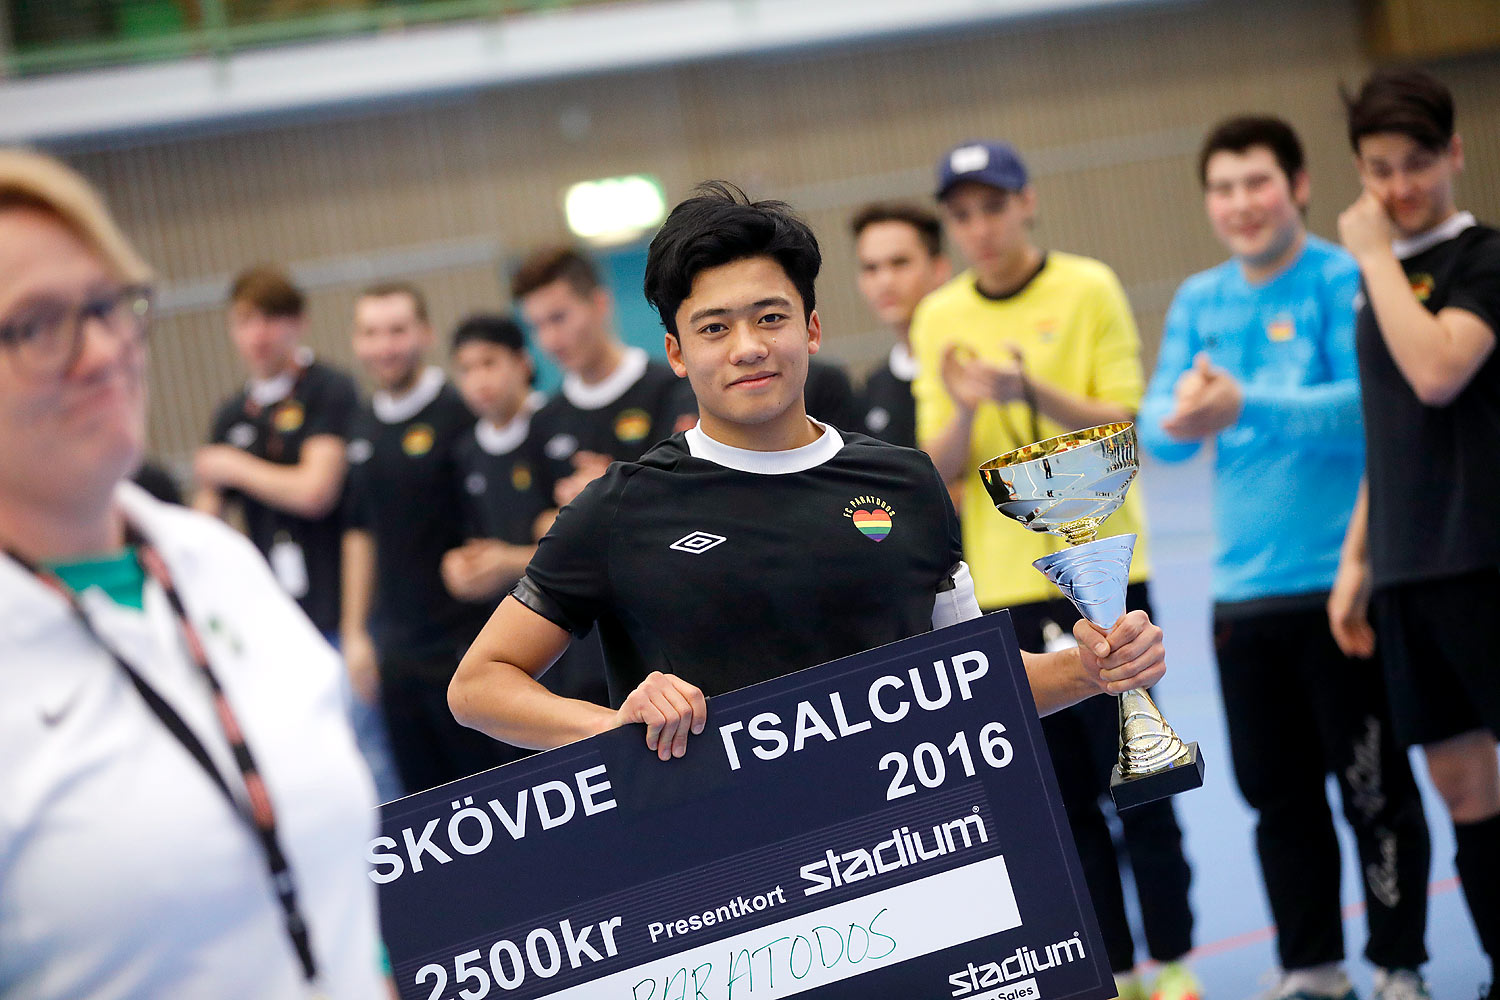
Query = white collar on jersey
x=394 y=409
x=503 y=440
x=766 y=463
x=1444 y=231
x=270 y=391
x=599 y=395
x=903 y=365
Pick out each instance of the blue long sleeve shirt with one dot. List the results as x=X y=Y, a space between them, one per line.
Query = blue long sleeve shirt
x=1287 y=471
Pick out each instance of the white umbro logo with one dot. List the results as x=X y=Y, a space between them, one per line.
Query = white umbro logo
x=696 y=542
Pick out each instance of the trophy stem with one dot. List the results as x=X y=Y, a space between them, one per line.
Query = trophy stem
x=1080 y=532
x=1148 y=743
x=1093 y=576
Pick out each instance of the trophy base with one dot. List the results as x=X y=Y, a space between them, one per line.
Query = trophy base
x=1137 y=791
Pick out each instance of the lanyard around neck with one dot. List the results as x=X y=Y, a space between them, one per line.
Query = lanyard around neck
x=254 y=806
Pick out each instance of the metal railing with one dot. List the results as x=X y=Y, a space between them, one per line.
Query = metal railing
x=49 y=36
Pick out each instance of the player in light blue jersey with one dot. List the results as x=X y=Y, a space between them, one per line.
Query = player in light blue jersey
x=1258 y=359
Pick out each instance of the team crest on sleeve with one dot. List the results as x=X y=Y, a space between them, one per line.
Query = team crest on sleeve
x=632 y=425
x=1422 y=286
x=520 y=477
x=872 y=516
x=288 y=417
x=418 y=440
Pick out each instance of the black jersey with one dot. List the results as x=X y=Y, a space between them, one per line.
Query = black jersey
x=497 y=476
x=693 y=562
x=496 y=469
x=622 y=417
x=889 y=408
x=1433 y=473
x=404 y=492
x=829 y=396
x=304 y=553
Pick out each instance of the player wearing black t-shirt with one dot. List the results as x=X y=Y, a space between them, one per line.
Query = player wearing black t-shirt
x=277 y=452
x=843 y=522
x=503 y=501
x=273 y=420
x=404 y=514
x=899 y=246
x=616 y=419
x=1424 y=535
x=615 y=402
x=276 y=448
x=821 y=545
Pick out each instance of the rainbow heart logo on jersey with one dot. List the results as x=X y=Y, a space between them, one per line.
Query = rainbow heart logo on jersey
x=1422 y=286
x=520 y=477
x=417 y=441
x=872 y=516
x=632 y=425
x=288 y=416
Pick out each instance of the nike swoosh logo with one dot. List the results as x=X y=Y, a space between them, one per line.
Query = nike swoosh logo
x=56 y=715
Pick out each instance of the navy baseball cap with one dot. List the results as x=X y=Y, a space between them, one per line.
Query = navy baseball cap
x=988 y=162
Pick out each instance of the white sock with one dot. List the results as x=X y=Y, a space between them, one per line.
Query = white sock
x=1326 y=980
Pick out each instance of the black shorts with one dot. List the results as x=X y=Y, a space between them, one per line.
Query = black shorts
x=1437 y=643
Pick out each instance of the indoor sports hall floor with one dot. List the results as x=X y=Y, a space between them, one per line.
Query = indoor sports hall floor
x=1235 y=953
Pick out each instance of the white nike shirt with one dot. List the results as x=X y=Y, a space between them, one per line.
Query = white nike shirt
x=123 y=871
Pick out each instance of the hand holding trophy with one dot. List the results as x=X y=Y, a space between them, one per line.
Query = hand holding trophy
x=1067 y=486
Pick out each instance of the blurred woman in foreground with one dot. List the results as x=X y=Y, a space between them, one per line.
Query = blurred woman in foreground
x=182 y=809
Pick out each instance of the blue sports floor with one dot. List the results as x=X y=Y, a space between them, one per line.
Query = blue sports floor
x=1235 y=954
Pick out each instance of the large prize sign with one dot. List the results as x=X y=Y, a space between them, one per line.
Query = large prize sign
x=883 y=826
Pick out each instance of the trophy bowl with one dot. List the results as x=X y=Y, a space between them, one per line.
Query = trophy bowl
x=1066 y=485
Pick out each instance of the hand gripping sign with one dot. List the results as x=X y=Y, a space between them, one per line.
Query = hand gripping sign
x=885 y=825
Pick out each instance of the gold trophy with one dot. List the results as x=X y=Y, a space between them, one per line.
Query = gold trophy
x=1067 y=486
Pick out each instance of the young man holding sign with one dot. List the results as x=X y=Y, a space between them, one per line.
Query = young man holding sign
x=832 y=544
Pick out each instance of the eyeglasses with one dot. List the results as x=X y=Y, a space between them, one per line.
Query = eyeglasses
x=47 y=339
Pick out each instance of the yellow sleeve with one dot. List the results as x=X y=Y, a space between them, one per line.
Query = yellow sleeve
x=934 y=407
x=1116 y=374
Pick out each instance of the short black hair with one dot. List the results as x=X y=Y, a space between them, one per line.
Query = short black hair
x=928 y=226
x=718 y=225
x=1409 y=102
x=490 y=329
x=1237 y=134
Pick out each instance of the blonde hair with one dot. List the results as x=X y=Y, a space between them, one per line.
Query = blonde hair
x=33 y=180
